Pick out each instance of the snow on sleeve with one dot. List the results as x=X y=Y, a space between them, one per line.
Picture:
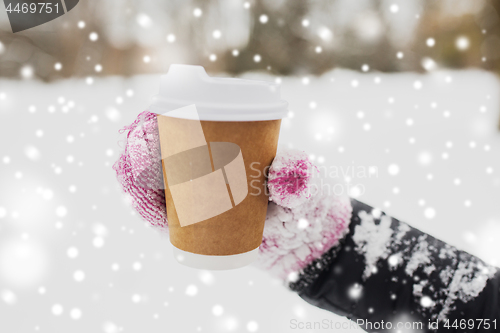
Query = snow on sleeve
x=373 y=240
x=419 y=257
x=468 y=281
x=441 y=274
x=403 y=228
x=462 y=276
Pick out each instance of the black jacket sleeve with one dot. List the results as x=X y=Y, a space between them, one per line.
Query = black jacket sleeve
x=387 y=276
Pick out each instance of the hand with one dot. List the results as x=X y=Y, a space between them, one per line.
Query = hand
x=139 y=170
x=304 y=219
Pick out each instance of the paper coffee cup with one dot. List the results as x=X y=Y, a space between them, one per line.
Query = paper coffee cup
x=218 y=137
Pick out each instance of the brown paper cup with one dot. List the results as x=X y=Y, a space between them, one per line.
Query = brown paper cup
x=215 y=185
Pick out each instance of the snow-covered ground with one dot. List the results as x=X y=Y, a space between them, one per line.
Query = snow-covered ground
x=75 y=258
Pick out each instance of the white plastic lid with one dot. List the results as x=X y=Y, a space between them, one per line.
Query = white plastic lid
x=220 y=99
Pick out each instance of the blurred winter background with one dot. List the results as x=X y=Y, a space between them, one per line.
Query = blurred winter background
x=406 y=90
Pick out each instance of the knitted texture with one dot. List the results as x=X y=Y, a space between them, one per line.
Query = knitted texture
x=295 y=237
x=139 y=170
x=289 y=177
